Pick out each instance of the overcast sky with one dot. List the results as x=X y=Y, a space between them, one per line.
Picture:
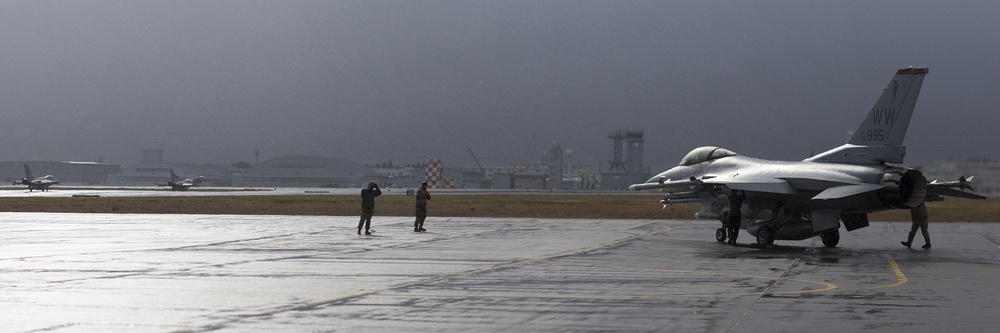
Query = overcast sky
x=372 y=81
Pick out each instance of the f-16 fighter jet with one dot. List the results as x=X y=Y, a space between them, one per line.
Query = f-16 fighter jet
x=797 y=200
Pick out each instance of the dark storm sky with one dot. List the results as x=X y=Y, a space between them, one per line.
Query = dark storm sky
x=372 y=81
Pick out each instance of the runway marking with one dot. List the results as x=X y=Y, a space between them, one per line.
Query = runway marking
x=900 y=277
x=313 y=305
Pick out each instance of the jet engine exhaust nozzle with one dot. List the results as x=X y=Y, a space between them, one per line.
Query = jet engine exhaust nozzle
x=910 y=191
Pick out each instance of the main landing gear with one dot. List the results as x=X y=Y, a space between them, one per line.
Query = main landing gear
x=831 y=238
x=720 y=235
x=766 y=232
x=765 y=236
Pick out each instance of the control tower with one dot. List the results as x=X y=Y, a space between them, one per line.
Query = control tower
x=626 y=168
x=633 y=164
x=617 y=163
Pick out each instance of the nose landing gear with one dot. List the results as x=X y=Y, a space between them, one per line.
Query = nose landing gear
x=720 y=235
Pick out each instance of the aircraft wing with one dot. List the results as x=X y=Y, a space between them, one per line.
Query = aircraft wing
x=950 y=192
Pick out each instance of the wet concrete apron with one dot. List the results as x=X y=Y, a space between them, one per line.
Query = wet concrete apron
x=97 y=272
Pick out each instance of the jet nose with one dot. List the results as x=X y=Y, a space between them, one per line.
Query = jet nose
x=675 y=173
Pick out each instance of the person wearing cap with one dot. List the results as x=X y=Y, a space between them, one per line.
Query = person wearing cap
x=422 y=197
x=368 y=195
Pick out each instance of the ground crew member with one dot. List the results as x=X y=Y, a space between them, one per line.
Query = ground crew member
x=919 y=216
x=735 y=215
x=368 y=195
x=422 y=197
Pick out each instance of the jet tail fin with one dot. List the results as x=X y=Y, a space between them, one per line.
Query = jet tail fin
x=27 y=172
x=890 y=117
x=879 y=139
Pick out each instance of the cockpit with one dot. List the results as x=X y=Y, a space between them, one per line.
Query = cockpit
x=704 y=154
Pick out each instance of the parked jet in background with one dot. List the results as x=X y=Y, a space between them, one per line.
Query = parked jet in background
x=37 y=183
x=798 y=200
x=178 y=184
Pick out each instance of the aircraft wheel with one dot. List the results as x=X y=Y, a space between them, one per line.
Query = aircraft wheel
x=720 y=235
x=765 y=236
x=831 y=239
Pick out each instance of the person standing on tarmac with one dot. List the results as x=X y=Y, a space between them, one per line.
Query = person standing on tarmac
x=919 y=216
x=735 y=215
x=422 y=197
x=368 y=195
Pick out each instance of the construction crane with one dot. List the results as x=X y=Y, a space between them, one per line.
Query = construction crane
x=488 y=183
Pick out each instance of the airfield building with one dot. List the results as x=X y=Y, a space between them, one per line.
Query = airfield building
x=306 y=171
x=154 y=171
x=286 y=171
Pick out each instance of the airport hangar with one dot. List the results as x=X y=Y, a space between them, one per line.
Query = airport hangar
x=285 y=171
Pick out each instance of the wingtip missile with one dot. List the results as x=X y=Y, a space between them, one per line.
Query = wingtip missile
x=966 y=183
x=962 y=183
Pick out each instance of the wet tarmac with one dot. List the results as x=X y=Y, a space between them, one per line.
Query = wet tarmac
x=169 y=273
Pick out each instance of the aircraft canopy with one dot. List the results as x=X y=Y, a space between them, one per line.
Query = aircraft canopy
x=703 y=154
